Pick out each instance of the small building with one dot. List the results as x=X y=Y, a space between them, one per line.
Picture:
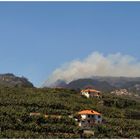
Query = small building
x=120 y=92
x=89 y=118
x=90 y=93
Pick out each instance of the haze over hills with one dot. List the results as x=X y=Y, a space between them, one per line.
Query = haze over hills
x=103 y=72
x=82 y=83
x=103 y=83
x=117 y=81
x=97 y=64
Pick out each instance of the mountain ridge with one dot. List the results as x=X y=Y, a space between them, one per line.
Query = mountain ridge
x=106 y=83
x=10 y=80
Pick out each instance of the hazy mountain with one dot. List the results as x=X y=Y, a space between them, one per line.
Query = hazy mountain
x=103 y=83
x=10 y=80
x=117 y=81
x=59 y=83
x=82 y=83
x=132 y=84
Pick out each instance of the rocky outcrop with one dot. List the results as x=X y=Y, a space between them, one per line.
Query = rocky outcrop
x=10 y=80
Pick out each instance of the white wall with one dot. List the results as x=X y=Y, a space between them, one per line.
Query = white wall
x=95 y=117
x=85 y=94
x=83 y=116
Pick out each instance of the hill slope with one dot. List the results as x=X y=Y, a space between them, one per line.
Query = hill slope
x=121 y=114
x=82 y=83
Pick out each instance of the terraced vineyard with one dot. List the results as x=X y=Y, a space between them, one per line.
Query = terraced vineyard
x=121 y=114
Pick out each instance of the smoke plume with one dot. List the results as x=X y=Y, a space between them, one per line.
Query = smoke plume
x=96 y=64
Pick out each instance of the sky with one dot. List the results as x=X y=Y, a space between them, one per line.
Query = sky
x=38 y=37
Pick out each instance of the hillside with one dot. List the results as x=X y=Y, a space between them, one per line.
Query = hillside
x=120 y=114
x=82 y=83
x=116 y=81
x=10 y=80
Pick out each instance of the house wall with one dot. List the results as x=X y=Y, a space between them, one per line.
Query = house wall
x=83 y=117
x=96 y=117
x=92 y=94
x=86 y=94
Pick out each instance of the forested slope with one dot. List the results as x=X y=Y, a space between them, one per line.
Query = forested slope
x=120 y=114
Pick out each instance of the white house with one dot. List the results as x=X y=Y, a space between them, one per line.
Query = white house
x=89 y=118
x=91 y=93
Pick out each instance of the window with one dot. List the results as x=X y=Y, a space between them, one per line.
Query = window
x=88 y=116
x=88 y=121
x=99 y=116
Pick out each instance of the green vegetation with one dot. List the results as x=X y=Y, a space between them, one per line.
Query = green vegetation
x=121 y=114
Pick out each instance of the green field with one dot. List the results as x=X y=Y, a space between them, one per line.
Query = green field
x=121 y=114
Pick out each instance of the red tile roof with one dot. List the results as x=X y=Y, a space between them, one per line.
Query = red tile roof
x=90 y=112
x=89 y=90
